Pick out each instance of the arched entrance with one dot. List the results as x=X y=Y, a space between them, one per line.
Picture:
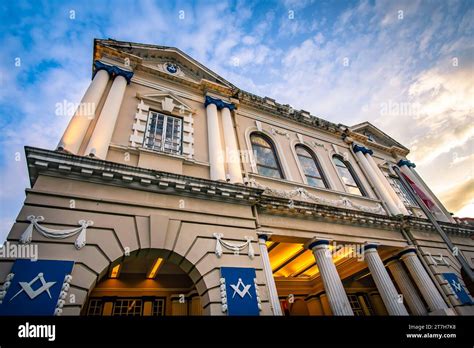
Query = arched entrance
x=148 y=282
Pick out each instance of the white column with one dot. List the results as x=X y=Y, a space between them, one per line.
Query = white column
x=104 y=128
x=76 y=130
x=332 y=282
x=216 y=157
x=423 y=281
x=382 y=280
x=396 y=199
x=410 y=294
x=267 y=269
x=385 y=196
x=232 y=152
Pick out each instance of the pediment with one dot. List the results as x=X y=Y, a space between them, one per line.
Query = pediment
x=168 y=60
x=167 y=102
x=375 y=135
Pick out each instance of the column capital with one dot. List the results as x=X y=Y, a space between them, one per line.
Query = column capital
x=368 y=246
x=362 y=149
x=315 y=242
x=390 y=260
x=264 y=235
x=406 y=163
x=113 y=70
x=406 y=251
x=219 y=103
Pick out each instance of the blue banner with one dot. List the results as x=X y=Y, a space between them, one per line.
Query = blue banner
x=240 y=289
x=35 y=287
x=457 y=287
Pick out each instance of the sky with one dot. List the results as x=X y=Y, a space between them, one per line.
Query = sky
x=405 y=66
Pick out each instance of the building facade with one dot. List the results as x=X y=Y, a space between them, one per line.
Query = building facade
x=173 y=192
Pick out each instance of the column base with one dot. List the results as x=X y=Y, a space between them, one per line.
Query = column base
x=443 y=312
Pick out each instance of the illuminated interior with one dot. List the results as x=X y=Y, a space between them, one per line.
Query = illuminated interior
x=297 y=277
x=144 y=285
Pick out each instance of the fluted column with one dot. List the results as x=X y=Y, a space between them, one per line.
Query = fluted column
x=396 y=199
x=423 y=281
x=77 y=128
x=104 y=128
x=332 y=282
x=267 y=269
x=410 y=294
x=216 y=156
x=382 y=280
x=232 y=152
x=385 y=196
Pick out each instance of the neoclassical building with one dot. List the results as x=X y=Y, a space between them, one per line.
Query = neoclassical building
x=174 y=192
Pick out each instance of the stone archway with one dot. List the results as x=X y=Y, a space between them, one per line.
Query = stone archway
x=147 y=282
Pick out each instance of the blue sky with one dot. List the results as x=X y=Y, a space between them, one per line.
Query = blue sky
x=345 y=61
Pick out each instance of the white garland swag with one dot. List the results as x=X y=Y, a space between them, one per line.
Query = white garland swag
x=236 y=248
x=56 y=234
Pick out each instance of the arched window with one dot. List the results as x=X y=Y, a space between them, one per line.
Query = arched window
x=311 y=168
x=348 y=176
x=265 y=156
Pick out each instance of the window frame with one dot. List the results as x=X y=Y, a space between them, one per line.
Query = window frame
x=273 y=148
x=408 y=200
x=317 y=163
x=155 y=301
x=163 y=133
x=348 y=166
x=117 y=306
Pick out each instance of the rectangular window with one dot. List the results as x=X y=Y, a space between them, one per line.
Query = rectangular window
x=95 y=306
x=164 y=133
x=356 y=305
x=128 y=307
x=406 y=197
x=158 y=307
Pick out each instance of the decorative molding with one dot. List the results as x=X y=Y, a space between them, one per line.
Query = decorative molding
x=407 y=163
x=362 y=149
x=167 y=102
x=315 y=143
x=300 y=192
x=113 y=70
x=27 y=235
x=257 y=291
x=438 y=260
x=111 y=173
x=5 y=286
x=223 y=295
x=62 y=295
x=279 y=132
x=236 y=248
x=219 y=103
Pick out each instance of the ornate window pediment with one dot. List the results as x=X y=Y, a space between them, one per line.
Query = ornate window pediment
x=169 y=104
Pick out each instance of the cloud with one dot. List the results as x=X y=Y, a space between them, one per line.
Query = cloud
x=459 y=196
x=298 y=61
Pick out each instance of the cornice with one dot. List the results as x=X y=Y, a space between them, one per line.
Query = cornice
x=66 y=165
x=298 y=209
x=393 y=150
